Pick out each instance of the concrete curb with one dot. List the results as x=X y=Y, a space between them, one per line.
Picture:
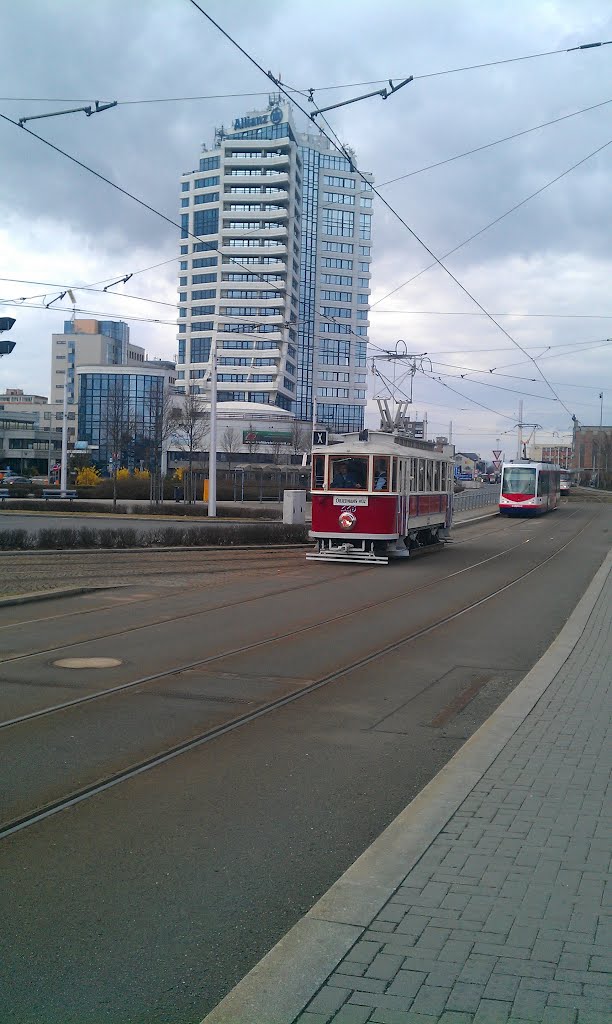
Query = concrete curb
x=45 y=595
x=278 y=988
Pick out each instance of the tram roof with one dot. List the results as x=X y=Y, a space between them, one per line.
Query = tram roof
x=380 y=442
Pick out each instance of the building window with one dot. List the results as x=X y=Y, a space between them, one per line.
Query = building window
x=203 y=279
x=339 y=197
x=201 y=311
x=184 y=225
x=185 y=186
x=206 y=182
x=184 y=202
x=205 y=222
x=207 y=197
x=207 y=261
x=338 y=222
x=336 y=246
x=204 y=293
x=365 y=250
x=365 y=225
x=209 y=163
x=200 y=350
x=363 y=299
x=365 y=201
x=184 y=249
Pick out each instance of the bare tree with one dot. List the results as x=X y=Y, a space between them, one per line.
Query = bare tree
x=250 y=440
x=118 y=426
x=190 y=428
x=300 y=438
x=161 y=424
x=231 y=444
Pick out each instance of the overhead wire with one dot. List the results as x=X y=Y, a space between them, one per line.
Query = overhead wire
x=489 y=145
x=209 y=246
x=320 y=88
x=337 y=144
x=492 y=223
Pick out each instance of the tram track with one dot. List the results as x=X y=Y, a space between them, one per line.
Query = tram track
x=41 y=652
x=243 y=649
x=77 y=795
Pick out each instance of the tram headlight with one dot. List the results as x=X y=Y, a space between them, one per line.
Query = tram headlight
x=347 y=520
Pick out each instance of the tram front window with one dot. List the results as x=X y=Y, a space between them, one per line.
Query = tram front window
x=519 y=480
x=348 y=474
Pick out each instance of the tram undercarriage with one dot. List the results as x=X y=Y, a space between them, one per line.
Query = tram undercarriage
x=381 y=552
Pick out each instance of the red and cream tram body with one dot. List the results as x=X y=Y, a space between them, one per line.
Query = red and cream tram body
x=377 y=495
x=529 y=488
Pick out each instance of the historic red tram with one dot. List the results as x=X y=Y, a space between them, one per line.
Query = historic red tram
x=529 y=488
x=377 y=495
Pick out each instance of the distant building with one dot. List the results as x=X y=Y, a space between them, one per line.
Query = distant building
x=91 y=342
x=249 y=433
x=466 y=464
x=25 y=446
x=559 y=454
x=278 y=273
x=14 y=400
x=119 y=410
x=592 y=452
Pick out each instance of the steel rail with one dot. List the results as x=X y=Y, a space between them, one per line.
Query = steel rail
x=93 y=789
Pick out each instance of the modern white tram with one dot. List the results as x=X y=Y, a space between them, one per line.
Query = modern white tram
x=529 y=488
x=377 y=495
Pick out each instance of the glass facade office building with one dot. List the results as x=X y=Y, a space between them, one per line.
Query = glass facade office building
x=119 y=415
x=279 y=274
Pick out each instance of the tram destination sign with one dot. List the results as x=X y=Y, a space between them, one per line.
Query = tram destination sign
x=349 y=500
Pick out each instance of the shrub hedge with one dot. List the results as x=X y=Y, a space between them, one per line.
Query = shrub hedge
x=169 y=508
x=165 y=536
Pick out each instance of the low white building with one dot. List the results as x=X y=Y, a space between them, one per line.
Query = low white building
x=248 y=433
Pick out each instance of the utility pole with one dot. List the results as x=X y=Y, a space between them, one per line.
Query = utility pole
x=519 y=446
x=212 y=452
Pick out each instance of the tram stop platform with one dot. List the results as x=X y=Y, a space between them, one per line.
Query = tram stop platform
x=488 y=899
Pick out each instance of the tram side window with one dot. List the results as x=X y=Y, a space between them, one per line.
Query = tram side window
x=348 y=474
x=436 y=476
x=543 y=483
x=318 y=472
x=380 y=479
x=429 y=475
x=394 y=471
x=413 y=474
x=421 y=475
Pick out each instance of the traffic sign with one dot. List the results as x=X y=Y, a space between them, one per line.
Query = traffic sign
x=319 y=437
x=497 y=465
x=496 y=454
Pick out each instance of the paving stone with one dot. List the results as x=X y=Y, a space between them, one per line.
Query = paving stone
x=384 y=966
x=412 y=924
x=549 y=952
x=490 y=1012
x=465 y=996
x=385 y=1002
x=364 y=952
x=598 y=963
x=352 y=1015
x=593 y=1017
x=431 y=1000
x=433 y=938
x=502 y=986
x=382 y=1016
x=313 y=1018
x=529 y=1004
x=575 y=961
x=560 y=1015
x=478 y=969
x=456 y=1017
x=455 y=951
x=328 y=999
x=406 y=983
x=348 y=981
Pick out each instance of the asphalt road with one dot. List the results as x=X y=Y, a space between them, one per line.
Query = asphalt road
x=145 y=903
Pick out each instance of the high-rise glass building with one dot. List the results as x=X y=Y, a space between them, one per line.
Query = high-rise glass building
x=275 y=268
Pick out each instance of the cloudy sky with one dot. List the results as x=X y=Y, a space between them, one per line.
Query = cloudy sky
x=551 y=258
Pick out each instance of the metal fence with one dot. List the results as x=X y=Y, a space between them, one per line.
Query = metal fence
x=488 y=494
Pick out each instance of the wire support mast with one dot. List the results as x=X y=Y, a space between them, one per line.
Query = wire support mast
x=88 y=111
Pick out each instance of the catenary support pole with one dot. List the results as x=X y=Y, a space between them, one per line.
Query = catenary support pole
x=64 y=466
x=212 y=455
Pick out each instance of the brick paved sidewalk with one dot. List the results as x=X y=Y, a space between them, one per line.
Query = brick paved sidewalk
x=507 y=915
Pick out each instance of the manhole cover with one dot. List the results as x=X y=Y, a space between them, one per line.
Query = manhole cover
x=88 y=662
